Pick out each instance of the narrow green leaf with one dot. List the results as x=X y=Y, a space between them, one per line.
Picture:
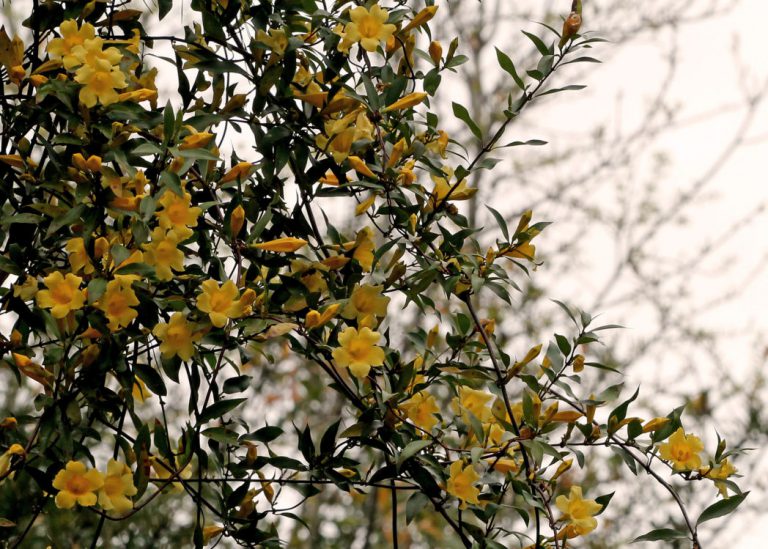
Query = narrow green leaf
x=218 y=409
x=721 y=508
x=505 y=62
x=539 y=43
x=661 y=534
x=461 y=112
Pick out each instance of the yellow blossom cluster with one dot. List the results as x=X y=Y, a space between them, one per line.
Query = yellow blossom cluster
x=112 y=489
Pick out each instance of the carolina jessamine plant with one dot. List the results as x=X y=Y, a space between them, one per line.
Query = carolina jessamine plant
x=143 y=261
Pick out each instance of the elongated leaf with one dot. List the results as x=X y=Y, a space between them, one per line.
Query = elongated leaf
x=721 y=508
x=505 y=62
x=539 y=43
x=461 y=112
x=572 y=87
x=661 y=534
x=218 y=409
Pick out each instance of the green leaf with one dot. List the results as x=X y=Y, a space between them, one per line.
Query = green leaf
x=265 y=434
x=721 y=508
x=218 y=409
x=412 y=449
x=661 y=534
x=505 y=62
x=572 y=87
x=164 y=6
x=237 y=384
x=151 y=379
x=415 y=503
x=461 y=112
x=539 y=43
x=26 y=218
x=500 y=221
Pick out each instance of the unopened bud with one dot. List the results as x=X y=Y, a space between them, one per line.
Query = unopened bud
x=436 y=52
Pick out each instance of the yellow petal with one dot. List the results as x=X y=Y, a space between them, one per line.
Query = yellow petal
x=286 y=244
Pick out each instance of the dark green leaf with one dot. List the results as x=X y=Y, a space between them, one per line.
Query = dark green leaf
x=721 y=508
x=218 y=409
x=461 y=112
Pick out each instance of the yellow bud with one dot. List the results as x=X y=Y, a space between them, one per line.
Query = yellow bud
x=432 y=336
x=15 y=338
x=286 y=244
x=361 y=208
x=397 y=152
x=38 y=80
x=422 y=17
x=312 y=320
x=551 y=410
x=412 y=222
x=93 y=163
x=405 y=102
x=360 y=167
x=78 y=161
x=436 y=51
x=8 y=423
x=562 y=468
x=524 y=220
x=655 y=424
x=236 y=220
x=578 y=363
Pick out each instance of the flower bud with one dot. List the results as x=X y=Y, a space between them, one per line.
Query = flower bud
x=436 y=52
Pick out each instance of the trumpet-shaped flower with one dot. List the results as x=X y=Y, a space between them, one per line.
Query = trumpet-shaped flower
x=118 y=301
x=421 y=409
x=100 y=81
x=77 y=484
x=461 y=483
x=579 y=512
x=369 y=27
x=366 y=301
x=162 y=253
x=176 y=337
x=474 y=402
x=78 y=256
x=117 y=488
x=71 y=36
x=224 y=302
x=63 y=294
x=682 y=450
x=90 y=51
x=358 y=351
x=178 y=214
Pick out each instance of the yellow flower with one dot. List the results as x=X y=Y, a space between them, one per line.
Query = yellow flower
x=504 y=465
x=71 y=36
x=461 y=483
x=210 y=532
x=421 y=409
x=358 y=351
x=162 y=253
x=196 y=140
x=287 y=244
x=682 y=450
x=341 y=133
x=239 y=171
x=578 y=512
x=63 y=294
x=366 y=301
x=315 y=319
x=276 y=40
x=78 y=256
x=719 y=473
x=117 y=302
x=118 y=487
x=447 y=190
x=5 y=459
x=77 y=484
x=370 y=28
x=90 y=51
x=27 y=289
x=224 y=302
x=100 y=81
x=364 y=249
x=474 y=402
x=176 y=337
x=178 y=214
x=440 y=145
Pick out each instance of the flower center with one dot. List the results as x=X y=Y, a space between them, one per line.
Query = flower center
x=369 y=27
x=177 y=213
x=78 y=485
x=220 y=302
x=117 y=304
x=100 y=82
x=62 y=294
